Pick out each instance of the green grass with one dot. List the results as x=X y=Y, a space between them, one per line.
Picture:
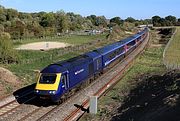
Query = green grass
x=149 y=62
x=26 y=70
x=172 y=55
x=72 y=39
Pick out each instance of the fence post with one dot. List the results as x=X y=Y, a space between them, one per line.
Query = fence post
x=93 y=105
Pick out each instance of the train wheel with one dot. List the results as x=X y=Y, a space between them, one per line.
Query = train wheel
x=58 y=102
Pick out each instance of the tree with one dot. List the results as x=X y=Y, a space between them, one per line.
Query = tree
x=148 y=21
x=1 y=28
x=130 y=19
x=92 y=18
x=156 y=20
x=7 y=53
x=178 y=22
x=75 y=21
x=101 y=21
x=47 y=20
x=97 y=20
x=62 y=22
x=11 y=14
x=116 y=20
x=171 y=20
x=2 y=15
x=163 y=22
x=87 y=24
x=23 y=16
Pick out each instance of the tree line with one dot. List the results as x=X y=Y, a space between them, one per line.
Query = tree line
x=167 y=21
x=41 y=24
x=22 y=25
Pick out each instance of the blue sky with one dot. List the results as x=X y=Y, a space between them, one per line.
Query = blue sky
x=139 y=9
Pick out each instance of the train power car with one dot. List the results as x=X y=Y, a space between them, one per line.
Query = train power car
x=59 y=80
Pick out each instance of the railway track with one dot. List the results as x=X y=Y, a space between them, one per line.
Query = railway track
x=10 y=106
x=72 y=108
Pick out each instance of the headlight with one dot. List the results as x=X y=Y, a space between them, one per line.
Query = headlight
x=52 y=92
x=37 y=91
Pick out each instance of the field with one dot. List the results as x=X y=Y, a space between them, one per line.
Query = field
x=172 y=55
x=31 y=60
x=70 y=39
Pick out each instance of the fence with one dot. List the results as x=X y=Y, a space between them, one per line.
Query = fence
x=166 y=62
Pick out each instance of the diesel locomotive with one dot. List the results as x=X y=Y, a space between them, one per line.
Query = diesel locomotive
x=59 y=80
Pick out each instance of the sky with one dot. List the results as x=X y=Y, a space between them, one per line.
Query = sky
x=138 y=9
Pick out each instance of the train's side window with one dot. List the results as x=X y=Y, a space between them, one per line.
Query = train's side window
x=63 y=79
x=121 y=50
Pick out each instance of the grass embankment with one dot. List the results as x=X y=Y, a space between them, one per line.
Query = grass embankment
x=172 y=55
x=148 y=62
x=70 y=39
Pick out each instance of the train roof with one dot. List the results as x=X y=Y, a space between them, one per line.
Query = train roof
x=119 y=44
x=53 y=68
x=93 y=55
x=62 y=66
x=115 y=45
x=108 y=48
x=74 y=61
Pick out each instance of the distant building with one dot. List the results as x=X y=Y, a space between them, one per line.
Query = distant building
x=93 y=32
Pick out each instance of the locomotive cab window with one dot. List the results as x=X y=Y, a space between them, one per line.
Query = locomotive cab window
x=47 y=78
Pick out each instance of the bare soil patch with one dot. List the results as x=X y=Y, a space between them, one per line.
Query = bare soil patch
x=8 y=82
x=42 y=46
x=2 y=91
x=7 y=76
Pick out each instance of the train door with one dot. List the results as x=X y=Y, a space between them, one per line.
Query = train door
x=91 y=68
x=65 y=80
x=98 y=64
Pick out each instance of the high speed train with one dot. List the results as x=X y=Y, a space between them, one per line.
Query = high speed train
x=58 y=80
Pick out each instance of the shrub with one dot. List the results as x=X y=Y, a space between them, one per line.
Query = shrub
x=7 y=53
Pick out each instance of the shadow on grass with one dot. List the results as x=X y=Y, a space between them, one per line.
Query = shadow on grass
x=157 y=98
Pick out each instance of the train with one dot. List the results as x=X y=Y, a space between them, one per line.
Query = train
x=60 y=80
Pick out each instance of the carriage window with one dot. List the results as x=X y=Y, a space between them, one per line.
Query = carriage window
x=47 y=78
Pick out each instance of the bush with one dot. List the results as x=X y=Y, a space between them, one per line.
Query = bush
x=7 y=53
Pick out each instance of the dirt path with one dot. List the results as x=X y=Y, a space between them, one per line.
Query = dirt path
x=42 y=46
